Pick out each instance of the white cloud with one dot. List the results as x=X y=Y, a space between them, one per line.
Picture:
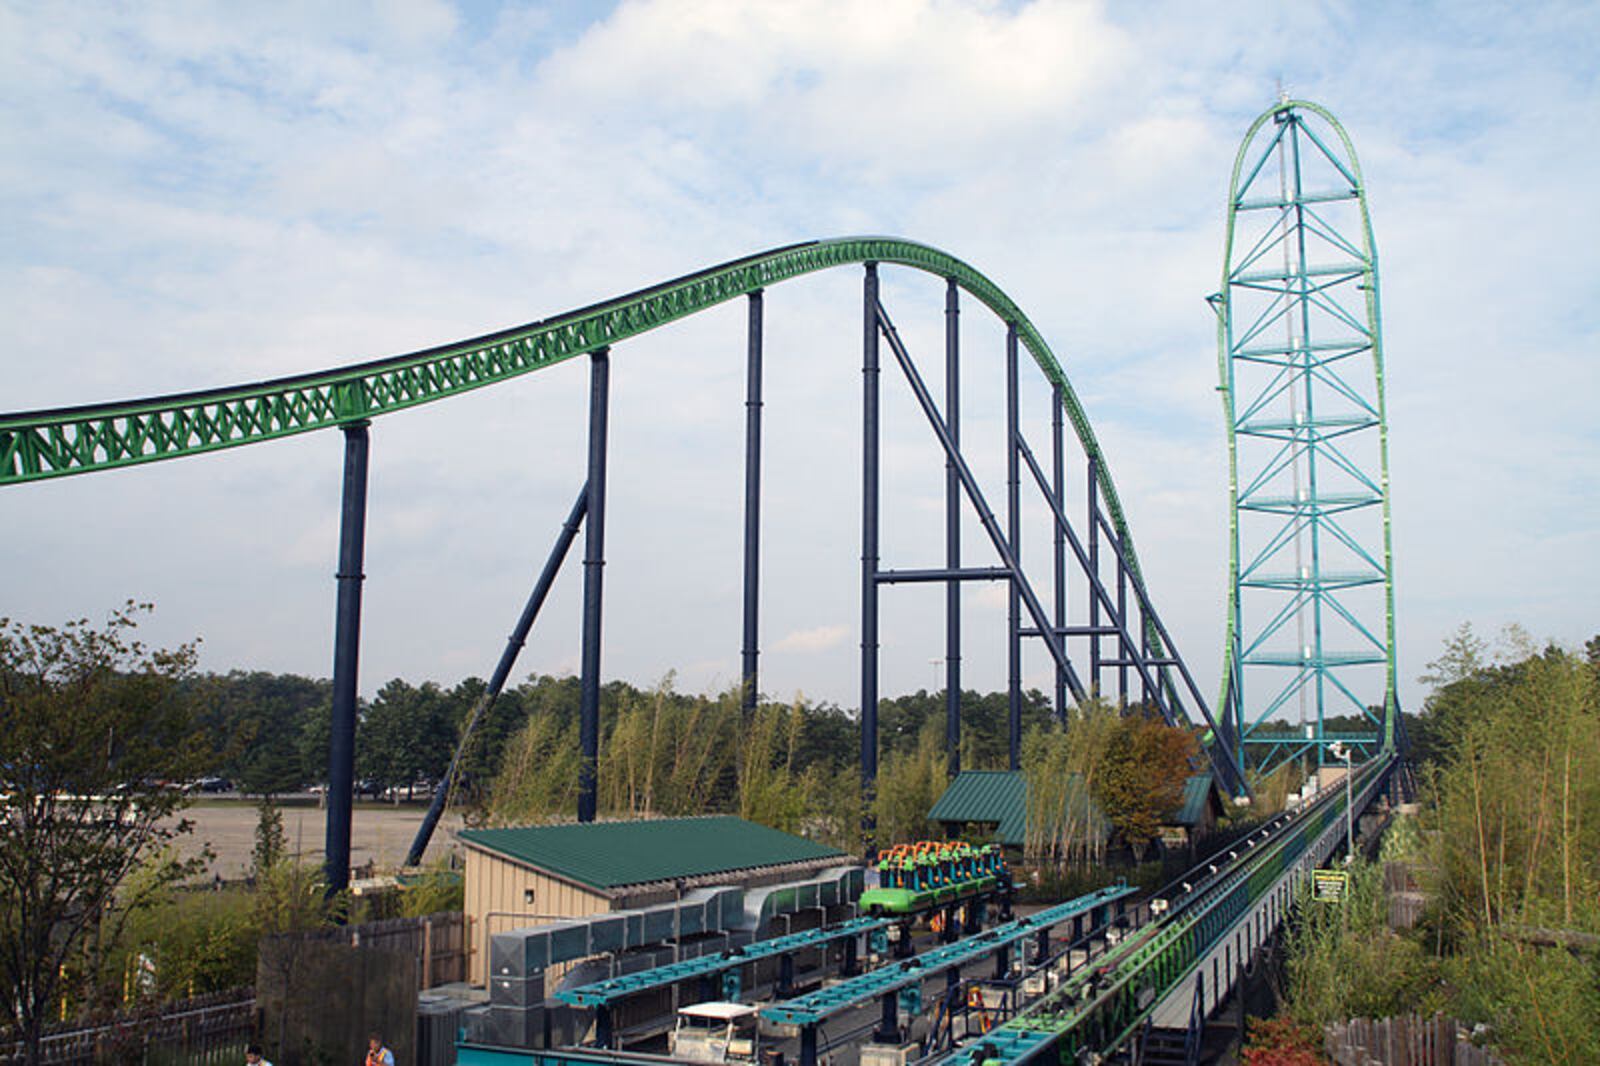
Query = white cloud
x=200 y=199
x=817 y=638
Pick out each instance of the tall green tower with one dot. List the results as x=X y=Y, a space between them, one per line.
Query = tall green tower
x=1309 y=657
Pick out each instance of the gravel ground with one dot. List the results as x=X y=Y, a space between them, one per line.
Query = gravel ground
x=380 y=833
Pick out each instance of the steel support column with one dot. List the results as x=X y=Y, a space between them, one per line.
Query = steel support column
x=952 y=530
x=1094 y=569
x=986 y=518
x=594 y=561
x=346 y=652
x=502 y=670
x=752 y=503
x=1059 y=543
x=869 y=546
x=1122 y=613
x=1014 y=538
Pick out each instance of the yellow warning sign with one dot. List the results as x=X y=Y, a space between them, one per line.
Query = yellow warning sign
x=1329 y=886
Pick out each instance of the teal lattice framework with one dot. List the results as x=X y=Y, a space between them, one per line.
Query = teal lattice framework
x=1310 y=616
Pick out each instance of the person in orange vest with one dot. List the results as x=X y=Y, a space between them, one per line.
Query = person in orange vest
x=377 y=1054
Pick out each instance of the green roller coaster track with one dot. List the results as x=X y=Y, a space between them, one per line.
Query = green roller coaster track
x=35 y=445
x=1304 y=380
x=1098 y=1009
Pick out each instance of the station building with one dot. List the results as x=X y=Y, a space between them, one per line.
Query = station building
x=533 y=875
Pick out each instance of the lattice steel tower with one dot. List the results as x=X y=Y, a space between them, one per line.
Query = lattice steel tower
x=1310 y=625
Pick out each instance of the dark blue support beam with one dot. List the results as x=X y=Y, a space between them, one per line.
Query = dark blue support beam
x=1014 y=539
x=785 y=987
x=1122 y=613
x=869 y=550
x=986 y=518
x=346 y=653
x=1231 y=767
x=1094 y=572
x=1098 y=591
x=752 y=503
x=952 y=530
x=1059 y=553
x=594 y=561
x=971 y=573
x=502 y=671
x=808 y=1045
x=888 y=1031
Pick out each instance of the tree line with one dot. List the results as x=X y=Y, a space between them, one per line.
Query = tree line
x=268 y=733
x=95 y=727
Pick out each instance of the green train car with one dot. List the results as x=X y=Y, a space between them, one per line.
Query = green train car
x=918 y=877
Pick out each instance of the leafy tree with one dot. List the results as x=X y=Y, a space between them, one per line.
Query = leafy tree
x=311 y=735
x=256 y=720
x=770 y=791
x=405 y=734
x=1063 y=766
x=271 y=847
x=92 y=727
x=908 y=785
x=1145 y=768
x=538 y=776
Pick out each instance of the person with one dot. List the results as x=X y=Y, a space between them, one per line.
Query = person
x=253 y=1056
x=377 y=1054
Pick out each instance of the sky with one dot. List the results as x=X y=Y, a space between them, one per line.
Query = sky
x=199 y=195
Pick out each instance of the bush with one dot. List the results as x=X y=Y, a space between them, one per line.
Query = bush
x=1283 y=1042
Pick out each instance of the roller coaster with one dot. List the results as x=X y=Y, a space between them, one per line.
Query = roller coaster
x=1177 y=959
x=63 y=442
x=1095 y=979
x=917 y=878
x=1241 y=894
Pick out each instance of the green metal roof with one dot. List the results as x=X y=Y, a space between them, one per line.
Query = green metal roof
x=998 y=796
x=607 y=855
x=1197 y=793
x=1001 y=797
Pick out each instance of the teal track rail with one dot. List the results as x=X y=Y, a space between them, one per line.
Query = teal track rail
x=817 y=1007
x=611 y=990
x=36 y=445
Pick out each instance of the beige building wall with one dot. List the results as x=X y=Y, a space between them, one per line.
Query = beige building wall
x=503 y=895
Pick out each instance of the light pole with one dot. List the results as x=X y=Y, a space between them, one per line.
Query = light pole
x=1339 y=751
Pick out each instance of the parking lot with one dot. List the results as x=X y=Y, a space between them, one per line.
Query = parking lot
x=380 y=833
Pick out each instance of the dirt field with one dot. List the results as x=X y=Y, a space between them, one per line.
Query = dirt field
x=380 y=834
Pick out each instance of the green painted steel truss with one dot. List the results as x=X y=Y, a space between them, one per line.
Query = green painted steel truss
x=1310 y=616
x=35 y=445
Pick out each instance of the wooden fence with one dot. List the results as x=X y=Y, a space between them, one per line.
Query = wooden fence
x=1408 y=1040
x=208 y=1031
x=438 y=942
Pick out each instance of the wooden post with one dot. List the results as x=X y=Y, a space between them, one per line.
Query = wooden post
x=427 y=952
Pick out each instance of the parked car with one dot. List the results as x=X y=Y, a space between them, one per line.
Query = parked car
x=215 y=784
